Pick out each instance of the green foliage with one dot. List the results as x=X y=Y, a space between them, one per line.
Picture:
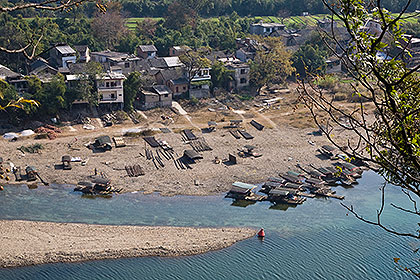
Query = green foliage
x=52 y=96
x=220 y=75
x=326 y=81
x=272 y=65
x=86 y=88
x=132 y=86
x=309 y=59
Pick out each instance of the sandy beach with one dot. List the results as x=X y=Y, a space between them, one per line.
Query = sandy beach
x=31 y=243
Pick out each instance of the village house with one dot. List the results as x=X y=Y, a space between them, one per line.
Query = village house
x=240 y=74
x=128 y=62
x=146 y=51
x=178 y=50
x=155 y=96
x=247 y=49
x=111 y=90
x=62 y=56
x=110 y=86
x=412 y=45
x=82 y=53
x=175 y=80
x=333 y=65
x=265 y=29
x=200 y=84
x=14 y=79
x=159 y=63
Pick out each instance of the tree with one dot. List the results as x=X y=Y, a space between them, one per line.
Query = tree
x=272 y=63
x=52 y=96
x=389 y=136
x=220 y=75
x=309 y=59
x=145 y=29
x=10 y=99
x=194 y=62
x=86 y=88
x=28 y=46
x=134 y=83
x=109 y=27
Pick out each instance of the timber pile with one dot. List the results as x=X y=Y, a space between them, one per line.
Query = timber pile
x=200 y=145
x=134 y=170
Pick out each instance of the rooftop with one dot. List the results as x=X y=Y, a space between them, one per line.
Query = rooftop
x=147 y=48
x=161 y=89
x=7 y=73
x=65 y=49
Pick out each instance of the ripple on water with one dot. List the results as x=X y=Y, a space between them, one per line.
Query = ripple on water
x=313 y=241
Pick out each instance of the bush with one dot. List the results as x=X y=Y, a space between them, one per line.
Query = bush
x=327 y=81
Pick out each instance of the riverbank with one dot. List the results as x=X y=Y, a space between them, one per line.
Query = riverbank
x=281 y=148
x=32 y=243
x=287 y=139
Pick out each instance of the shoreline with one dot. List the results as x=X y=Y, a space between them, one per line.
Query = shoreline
x=26 y=243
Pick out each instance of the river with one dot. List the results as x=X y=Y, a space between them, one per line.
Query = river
x=316 y=240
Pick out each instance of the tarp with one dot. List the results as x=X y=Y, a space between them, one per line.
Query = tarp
x=10 y=136
x=257 y=125
x=151 y=141
x=27 y=132
x=246 y=135
x=188 y=133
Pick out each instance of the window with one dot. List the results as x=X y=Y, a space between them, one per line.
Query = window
x=205 y=72
x=185 y=88
x=127 y=65
x=176 y=89
x=243 y=81
x=243 y=71
x=112 y=96
x=166 y=95
x=107 y=84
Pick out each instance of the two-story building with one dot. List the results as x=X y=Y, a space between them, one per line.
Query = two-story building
x=200 y=84
x=62 y=56
x=110 y=89
x=155 y=96
x=14 y=79
x=175 y=80
x=110 y=86
x=240 y=74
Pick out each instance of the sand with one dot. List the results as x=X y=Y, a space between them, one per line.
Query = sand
x=31 y=243
x=282 y=148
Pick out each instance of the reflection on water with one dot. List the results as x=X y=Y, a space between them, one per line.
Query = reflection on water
x=316 y=240
x=242 y=203
x=281 y=206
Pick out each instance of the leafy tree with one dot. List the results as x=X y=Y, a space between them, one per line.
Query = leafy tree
x=309 y=59
x=145 y=29
x=52 y=96
x=220 y=75
x=390 y=137
x=86 y=88
x=271 y=64
x=132 y=85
